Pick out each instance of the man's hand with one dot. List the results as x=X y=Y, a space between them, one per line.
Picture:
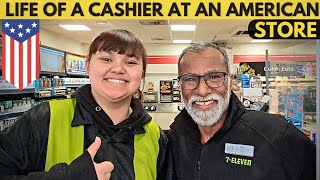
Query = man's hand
x=103 y=169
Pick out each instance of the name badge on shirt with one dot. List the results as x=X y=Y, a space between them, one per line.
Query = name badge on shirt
x=239 y=149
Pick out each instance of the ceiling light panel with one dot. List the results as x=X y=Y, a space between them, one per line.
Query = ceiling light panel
x=75 y=27
x=183 y=27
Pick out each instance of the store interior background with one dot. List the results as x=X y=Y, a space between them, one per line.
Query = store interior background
x=158 y=40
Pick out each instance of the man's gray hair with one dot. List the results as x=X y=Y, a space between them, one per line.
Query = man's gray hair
x=201 y=46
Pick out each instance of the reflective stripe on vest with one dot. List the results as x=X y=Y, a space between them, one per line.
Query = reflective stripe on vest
x=146 y=150
x=65 y=143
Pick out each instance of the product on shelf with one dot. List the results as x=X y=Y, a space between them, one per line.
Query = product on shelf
x=78 y=81
x=150 y=86
x=176 y=94
x=5 y=107
x=7 y=123
x=14 y=106
x=46 y=87
x=75 y=64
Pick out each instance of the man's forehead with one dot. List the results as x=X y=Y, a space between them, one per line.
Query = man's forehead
x=212 y=70
x=193 y=60
x=212 y=53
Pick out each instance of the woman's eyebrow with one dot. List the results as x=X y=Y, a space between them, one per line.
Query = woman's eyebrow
x=132 y=55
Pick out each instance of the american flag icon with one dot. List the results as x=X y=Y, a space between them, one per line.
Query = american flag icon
x=20 y=51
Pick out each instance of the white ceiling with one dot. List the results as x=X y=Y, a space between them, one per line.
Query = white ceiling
x=221 y=31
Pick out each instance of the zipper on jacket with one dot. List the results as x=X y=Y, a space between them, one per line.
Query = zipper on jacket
x=199 y=164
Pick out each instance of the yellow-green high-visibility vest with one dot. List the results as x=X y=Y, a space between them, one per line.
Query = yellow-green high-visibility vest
x=66 y=143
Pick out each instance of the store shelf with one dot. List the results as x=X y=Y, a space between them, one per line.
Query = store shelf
x=75 y=84
x=48 y=73
x=11 y=115
x=12 y=112
x=53 y=88
x=293 y=85
x=52 y=97
x=10 y=91
x=292 y=80
x=77 y=75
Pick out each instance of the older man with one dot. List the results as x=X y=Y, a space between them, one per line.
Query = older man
x=215 y=137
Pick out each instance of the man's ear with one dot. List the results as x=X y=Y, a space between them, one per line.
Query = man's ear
x=231 y=77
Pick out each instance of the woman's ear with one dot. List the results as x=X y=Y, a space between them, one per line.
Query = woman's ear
x=87 y=66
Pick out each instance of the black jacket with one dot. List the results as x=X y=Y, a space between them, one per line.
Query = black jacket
x=281 y=151
x=23 y=146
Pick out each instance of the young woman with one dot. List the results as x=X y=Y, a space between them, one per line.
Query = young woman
x=77 y=138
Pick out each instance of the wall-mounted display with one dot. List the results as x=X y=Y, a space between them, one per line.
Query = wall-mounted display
x=165 y=87
x=75 y=64
x=252 y=68
x=52 y=60
x=165 y=91
x=297 y=69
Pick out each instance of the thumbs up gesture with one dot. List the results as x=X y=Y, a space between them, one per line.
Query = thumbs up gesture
x=103 y=169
